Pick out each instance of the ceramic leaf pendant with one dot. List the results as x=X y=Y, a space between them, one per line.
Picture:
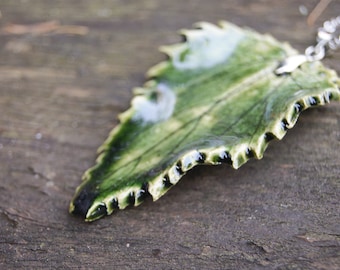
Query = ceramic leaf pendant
x=220 y=98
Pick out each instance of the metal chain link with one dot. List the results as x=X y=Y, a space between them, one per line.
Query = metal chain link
x=328 y=38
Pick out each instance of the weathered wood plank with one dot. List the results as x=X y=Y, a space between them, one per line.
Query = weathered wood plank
x=60 y=95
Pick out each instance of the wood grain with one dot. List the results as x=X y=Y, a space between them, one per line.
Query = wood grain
x=60 y=95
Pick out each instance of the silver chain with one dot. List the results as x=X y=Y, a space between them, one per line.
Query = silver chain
x=328 y=38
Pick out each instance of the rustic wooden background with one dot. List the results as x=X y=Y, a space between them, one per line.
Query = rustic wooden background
x=66 y=72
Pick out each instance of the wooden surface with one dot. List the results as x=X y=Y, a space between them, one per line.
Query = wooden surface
x=62 y=88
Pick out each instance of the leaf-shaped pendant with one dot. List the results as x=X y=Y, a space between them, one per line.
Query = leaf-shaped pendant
x=218 y=99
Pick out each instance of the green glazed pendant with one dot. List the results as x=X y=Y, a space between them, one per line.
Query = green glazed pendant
x=218 y=99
